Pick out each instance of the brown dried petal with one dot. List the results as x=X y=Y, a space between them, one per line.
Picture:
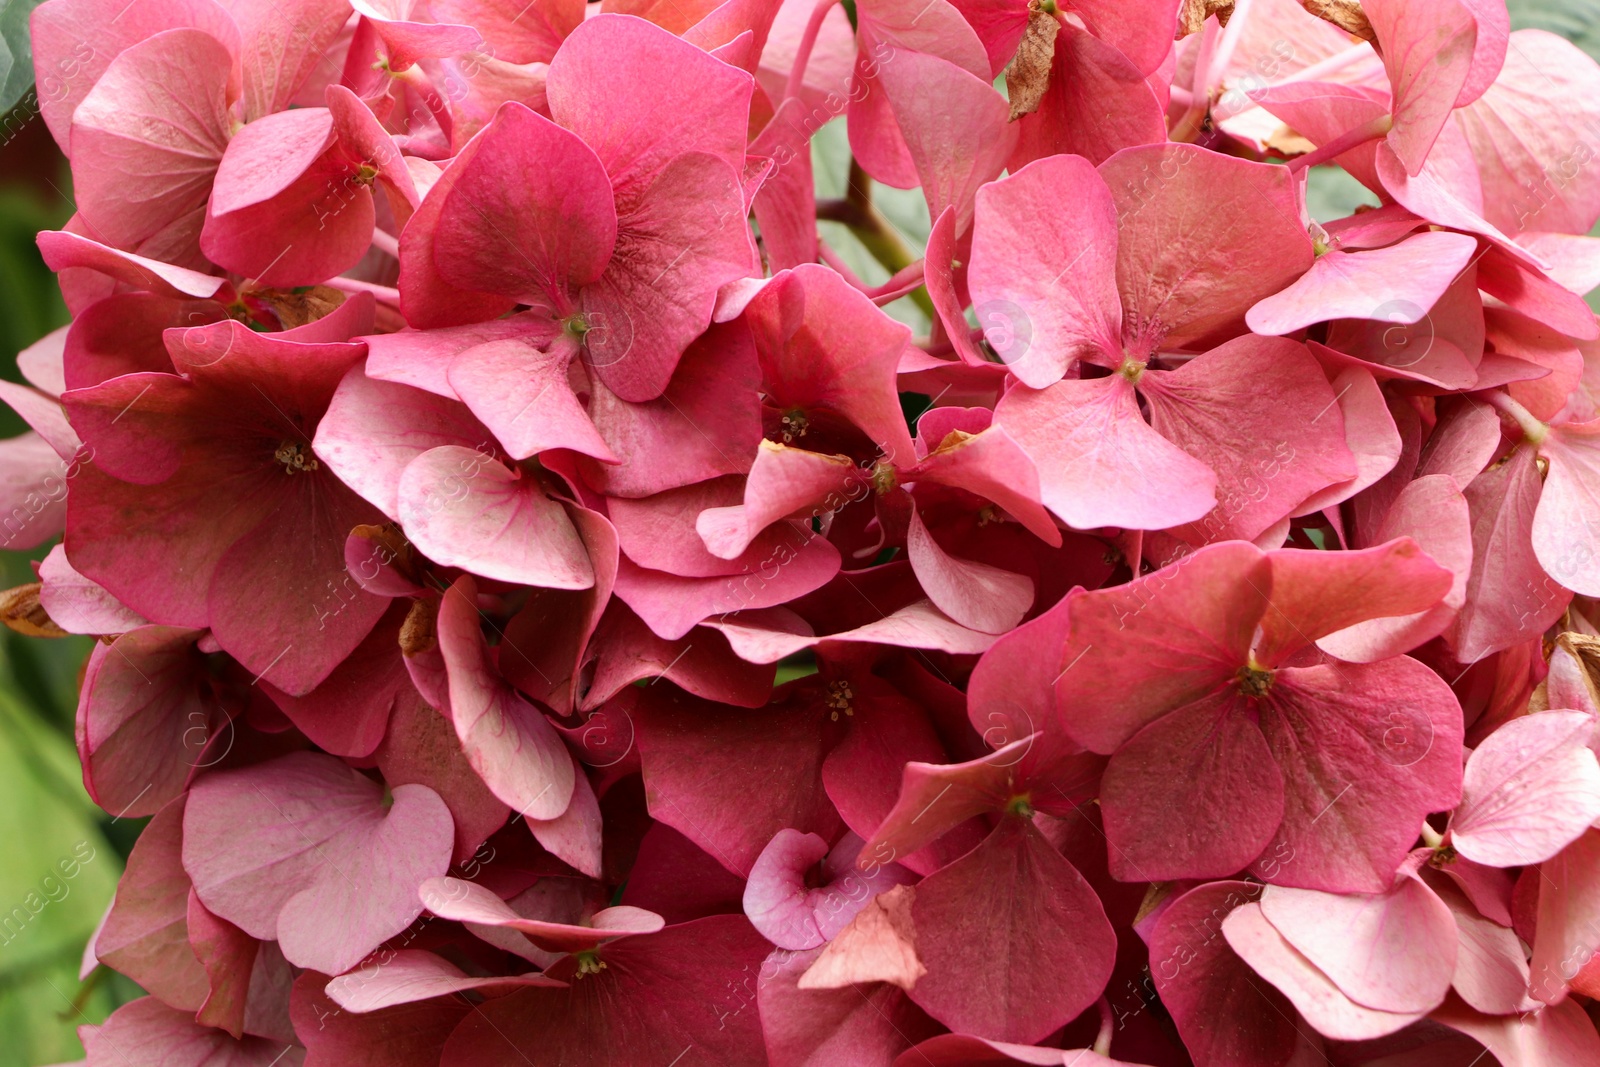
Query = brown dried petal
x=1028 y=75
x=419 y=633
x=20 y=609
x=1345 y=14
x=1193 y=14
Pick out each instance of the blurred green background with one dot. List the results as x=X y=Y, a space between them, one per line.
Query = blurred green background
x=45 y=816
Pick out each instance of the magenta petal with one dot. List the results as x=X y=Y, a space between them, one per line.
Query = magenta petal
x=574 y=836
x=733 y=811
x=1195 y=618
x=1367 y=752
x=1209 y=760
x=1044 y=257
x=1394 y=951
x=463 y=508
x=1100 y=464
x=145 y=934
x=1315 y=593
x=977 y=595
x=528 y=216
x=1011 y=909
x=147 y=720
x=147 y=1033
x=1342 y=285
x=510 y=743
x=658 y=996
x=303 y=850
x=1320 y=1002
x=1529 y=789
x=407 y=1035
x=1226 y=1017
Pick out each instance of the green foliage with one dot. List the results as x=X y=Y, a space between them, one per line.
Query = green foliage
x=1576 y=20
x=16 y=57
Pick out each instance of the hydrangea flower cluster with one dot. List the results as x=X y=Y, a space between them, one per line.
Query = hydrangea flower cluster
x=461 y=421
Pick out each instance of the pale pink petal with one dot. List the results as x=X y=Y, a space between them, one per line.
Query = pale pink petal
x=977 y=595
x=1428 y=48
x=1530 y=789
x=147 y=1033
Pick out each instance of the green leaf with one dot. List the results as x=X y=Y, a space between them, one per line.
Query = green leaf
x=1576 y=20
x=16 y=56
x=58 y=876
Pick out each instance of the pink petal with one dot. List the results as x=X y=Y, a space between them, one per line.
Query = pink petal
x=955 y=126
x=806 y=1027
x=373 y=429
x=1568 y=916
x=78 y=605
x=157 y=122
x=420 y=747
x=1394 y=951
x=408 y=1035
x=465 y=509
x=509 y=742
x=522 y=393
x=147 y=1033
x=822 y=344
x=668 y=98
x=706 y=424
x=1012 y=907
x=1428 y=52
x=733 y=811
x=527 y=216
x=246 y=838
x=452 y=898
x=1558 y=1036
x=1369 y=432
x=1320 y=1002
x=779 y=903
x=917 y=625
x=69 y=251
x=1491 y=967
x=1566 y=535
x=1315 y=593
x=1203 y=236
x=1100 y=464
x=1341 y=285
x=1432 y=510
x=1509 y=596
x=1058 y=306
x=1257 y=388
x=1367 y=752
x=1518 y=134
x=977 y=595
x=625 y=650
x=783 y=481
x=408 y=975
x=1529 y=789
x=32 y=491
x=1097 y=101
x=991 y=464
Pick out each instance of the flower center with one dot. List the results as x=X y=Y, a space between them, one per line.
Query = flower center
x=589 y=962
x=1254 y=681
x=794 y=425
x=839 y=696
x=295 y=457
